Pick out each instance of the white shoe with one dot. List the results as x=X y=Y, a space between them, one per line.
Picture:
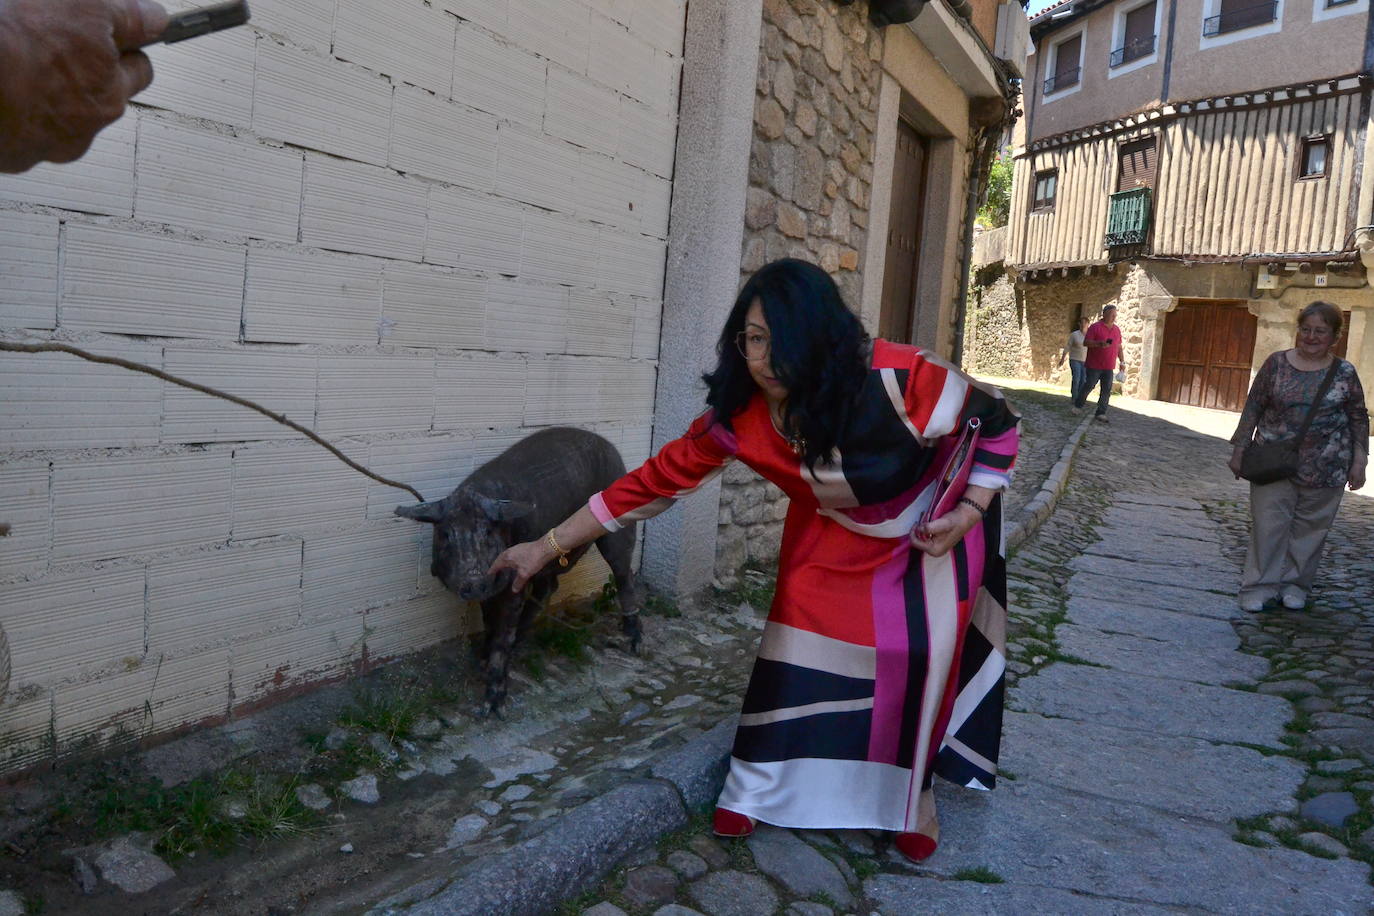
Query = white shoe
x=1252 y=605
x=1294 y=602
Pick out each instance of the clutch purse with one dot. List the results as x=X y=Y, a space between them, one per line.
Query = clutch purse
x=953 y=479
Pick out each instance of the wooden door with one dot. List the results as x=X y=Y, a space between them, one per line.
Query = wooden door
x=1208 y=349
x=902 y=267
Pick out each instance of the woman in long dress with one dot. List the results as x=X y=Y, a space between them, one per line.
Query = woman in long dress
x=882 y=660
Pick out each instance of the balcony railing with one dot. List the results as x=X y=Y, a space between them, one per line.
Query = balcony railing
x=1132 y=50
x=1062 y=80
x=1243 y=18
x=1128 y=219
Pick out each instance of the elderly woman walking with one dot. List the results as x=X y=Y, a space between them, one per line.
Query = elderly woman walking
x=882 y=661
x=1289 y=518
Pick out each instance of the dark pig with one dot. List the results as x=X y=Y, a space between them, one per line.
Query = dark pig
x=518 y=496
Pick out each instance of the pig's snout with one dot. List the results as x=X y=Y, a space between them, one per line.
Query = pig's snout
x=486 y=587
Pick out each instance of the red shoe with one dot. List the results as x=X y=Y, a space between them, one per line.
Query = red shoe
x=728 y=823
x=915 y=846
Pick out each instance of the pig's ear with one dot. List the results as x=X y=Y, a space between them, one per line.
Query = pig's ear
x=430 y=512
x=503 y=510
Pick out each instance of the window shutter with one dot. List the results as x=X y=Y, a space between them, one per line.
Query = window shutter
x=1137 y=168
x=1066 y=57
x=1140 y=30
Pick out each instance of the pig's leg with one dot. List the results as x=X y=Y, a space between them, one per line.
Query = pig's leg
x=538 y=592
x=501 y=614
x=617 y=548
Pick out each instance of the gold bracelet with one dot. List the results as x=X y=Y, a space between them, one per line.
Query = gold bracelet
x=562 y=554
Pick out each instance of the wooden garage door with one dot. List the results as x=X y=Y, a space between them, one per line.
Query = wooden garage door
x=1208 y=348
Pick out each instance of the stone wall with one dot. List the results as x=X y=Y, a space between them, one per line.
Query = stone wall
x=810 y=177
x=995 y=339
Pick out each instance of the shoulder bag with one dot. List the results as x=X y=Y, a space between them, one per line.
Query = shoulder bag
x=1268 y=462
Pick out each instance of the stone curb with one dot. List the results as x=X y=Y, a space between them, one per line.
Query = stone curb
x=582 y=847
x=1047 y=497
x=585 y=845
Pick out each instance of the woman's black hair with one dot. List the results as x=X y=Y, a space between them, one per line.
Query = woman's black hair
x=818 y=350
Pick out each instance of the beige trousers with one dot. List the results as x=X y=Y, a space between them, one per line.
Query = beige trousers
x=1288 y=526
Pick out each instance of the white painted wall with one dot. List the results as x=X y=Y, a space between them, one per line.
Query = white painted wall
x=420 y=229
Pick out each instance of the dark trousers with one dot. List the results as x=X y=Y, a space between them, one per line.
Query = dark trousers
x=1103 y=379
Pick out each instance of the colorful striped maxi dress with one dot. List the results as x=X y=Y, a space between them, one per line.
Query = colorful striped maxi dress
x=879 y=666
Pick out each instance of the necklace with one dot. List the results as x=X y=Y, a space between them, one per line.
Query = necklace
x=796 y=442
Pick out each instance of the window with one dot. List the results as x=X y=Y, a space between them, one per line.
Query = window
x=1333 y=9
x=1136 y=164
x=1046 y=184
x=1313 y=156
x=1067 y=65
x=1134 y=36
x=1234 y=15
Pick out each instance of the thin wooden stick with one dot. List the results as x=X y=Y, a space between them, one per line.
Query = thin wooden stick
x=204 y=389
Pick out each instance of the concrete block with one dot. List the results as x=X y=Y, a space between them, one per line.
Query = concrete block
x=648 y=137
x=24 y=495
x=498 y=78
x=212 y=598
x=290 y=489
x=662 y=23
x=368 y=395
x=102 y=181
x=434 y=465
x=581 y=111
x=526 y=317
x=101 y=608
x=648 y=321
x=306 y=654
x=655 y=200
x=556 y=29
x=103 y=708
x=305 y=23
x=478 y=390
x=565 y=391
x=321 y=103
x=306 y=297
x=127 y=506
x=51 y=400
x=537 y=169
x=128 y=282
x=623 y=61
x=436 y=138
x=28 y=726
x=28 y=270
x=359 y=208
x=627 y=391
x=409 y=626
x=493 y=442
x=361 y=569
x=211 y=78
x=558 y=249
x=426 y=306
x=189 y=690
x=631 y=264
x=619 y=10
x=636 y=445
x=281 y=381
x=209 y=182
x=609 y=191
x=599 y=324
x=412 y=42
x=489 y=14
x=478 y=233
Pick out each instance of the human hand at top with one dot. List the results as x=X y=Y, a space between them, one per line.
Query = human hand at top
x=1234 y=461
x=70 y=67
x=1356 y=477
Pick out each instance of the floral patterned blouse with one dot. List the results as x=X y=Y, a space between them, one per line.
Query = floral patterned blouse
x=1278 y=402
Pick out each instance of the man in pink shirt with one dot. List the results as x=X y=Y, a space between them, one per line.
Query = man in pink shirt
x=1103 y=341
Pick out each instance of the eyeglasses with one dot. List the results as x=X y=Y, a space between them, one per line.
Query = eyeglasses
x=752 y=345
x=1319 y=330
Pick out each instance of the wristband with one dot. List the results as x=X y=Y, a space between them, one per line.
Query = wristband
x=982 y=510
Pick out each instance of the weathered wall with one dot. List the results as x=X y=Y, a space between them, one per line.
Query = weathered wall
x=996 y=340
x=810 y=177
x=421 y=229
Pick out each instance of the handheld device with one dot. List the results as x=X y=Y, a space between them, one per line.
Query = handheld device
x=204 y=20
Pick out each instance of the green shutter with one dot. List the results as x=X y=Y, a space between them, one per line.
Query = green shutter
x=1128 y=220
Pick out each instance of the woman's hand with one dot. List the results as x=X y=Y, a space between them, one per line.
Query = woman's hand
x=524 y=560
x=1356 y=477
x=1234 y=463
x=938 y=536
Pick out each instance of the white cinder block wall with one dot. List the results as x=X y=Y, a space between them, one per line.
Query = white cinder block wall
x=421 y=229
